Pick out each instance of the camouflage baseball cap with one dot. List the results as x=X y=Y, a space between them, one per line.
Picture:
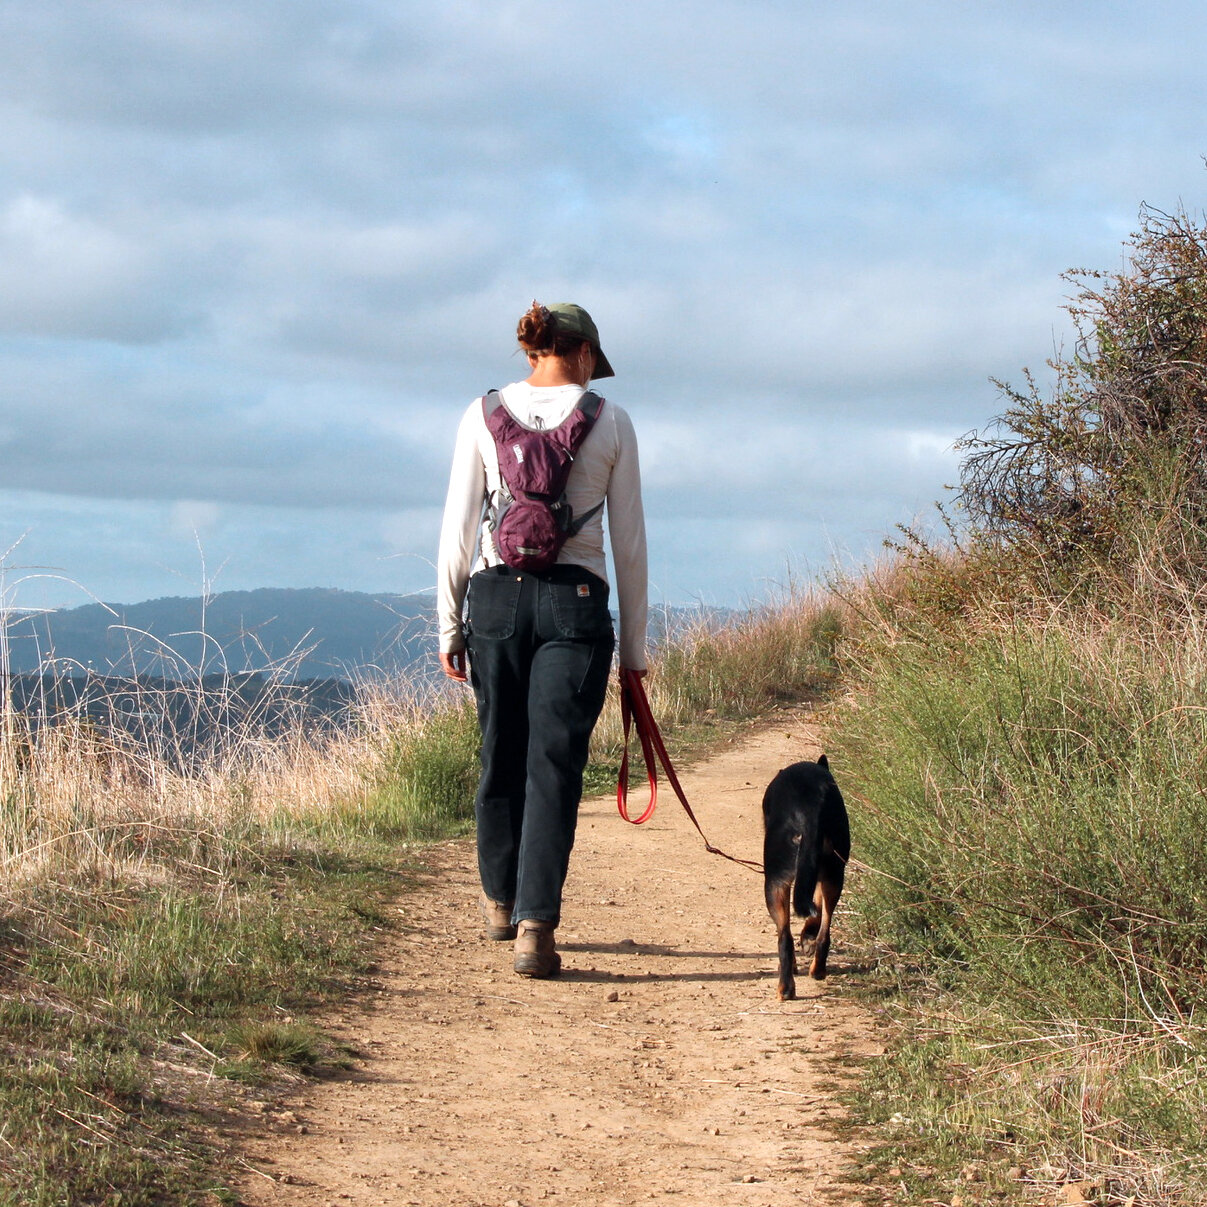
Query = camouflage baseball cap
x=574 y=320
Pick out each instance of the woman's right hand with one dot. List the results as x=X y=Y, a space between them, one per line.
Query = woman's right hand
x=453 y=665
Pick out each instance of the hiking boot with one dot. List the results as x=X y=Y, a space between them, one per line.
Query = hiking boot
x=496 y=917
x=534 y=952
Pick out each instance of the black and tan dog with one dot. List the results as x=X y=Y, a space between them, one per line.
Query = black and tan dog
x=806 y=845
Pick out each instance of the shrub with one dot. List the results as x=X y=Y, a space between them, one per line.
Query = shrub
x=1122 y=437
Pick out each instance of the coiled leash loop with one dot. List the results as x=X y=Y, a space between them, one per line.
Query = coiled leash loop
x=635 y=711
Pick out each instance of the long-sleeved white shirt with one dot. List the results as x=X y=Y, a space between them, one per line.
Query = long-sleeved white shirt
x=606 y=468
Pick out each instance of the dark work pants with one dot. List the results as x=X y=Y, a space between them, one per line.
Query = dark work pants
x=540 y=655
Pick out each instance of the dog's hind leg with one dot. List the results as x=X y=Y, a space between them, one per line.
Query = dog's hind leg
x=804 y=889
x=779 y=906
x=812 y=922
x=825 y=899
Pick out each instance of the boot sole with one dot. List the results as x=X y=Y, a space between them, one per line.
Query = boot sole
x=536 y=966
x=500 y=933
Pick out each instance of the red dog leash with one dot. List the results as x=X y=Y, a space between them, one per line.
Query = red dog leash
x=635 y=710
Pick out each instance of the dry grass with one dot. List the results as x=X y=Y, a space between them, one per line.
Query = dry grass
x=80 y=801
x=782 y=652
x=166 y=907
x=76 y=802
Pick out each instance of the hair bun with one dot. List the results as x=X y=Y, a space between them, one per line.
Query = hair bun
x=536 y=328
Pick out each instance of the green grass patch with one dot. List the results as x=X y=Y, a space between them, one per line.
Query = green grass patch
x=277 y=1043
x=424 y=785
x=999 y=1111
x=131 y=1018
x=1027 y=790
x=1032 y=802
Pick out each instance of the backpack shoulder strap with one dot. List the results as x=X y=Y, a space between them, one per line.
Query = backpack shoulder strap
x=590 y=404
x=491 y=401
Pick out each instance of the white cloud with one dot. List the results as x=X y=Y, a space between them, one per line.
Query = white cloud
x=256 y=258
x=71 y=275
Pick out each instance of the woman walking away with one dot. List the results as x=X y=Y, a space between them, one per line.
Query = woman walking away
x=527 y=543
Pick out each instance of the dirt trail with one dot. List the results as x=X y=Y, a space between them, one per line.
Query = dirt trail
x=658 y=1064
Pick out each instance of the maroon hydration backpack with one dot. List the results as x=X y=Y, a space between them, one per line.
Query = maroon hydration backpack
x=533 y=520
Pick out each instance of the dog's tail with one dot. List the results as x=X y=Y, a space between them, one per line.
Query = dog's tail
x=806 y=866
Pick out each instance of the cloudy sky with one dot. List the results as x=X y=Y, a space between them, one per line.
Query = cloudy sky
x=256 y=258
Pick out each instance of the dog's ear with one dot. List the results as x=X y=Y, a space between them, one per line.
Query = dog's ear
x=823 y=762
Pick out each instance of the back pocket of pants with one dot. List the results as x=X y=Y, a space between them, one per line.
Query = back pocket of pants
x=580 y=610
x=494 y=600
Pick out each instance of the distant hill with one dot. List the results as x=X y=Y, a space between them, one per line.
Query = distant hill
x=308 y=633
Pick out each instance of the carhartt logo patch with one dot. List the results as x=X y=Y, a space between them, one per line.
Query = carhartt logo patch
x=584 y=591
